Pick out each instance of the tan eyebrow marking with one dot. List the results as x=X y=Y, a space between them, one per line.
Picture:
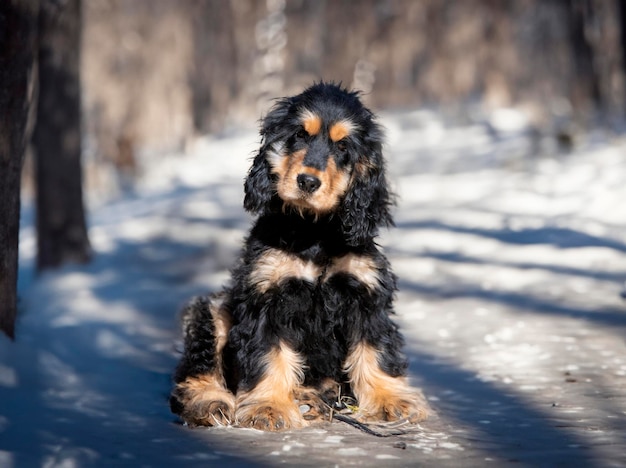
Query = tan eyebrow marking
x=311 y=122
x=340 y=130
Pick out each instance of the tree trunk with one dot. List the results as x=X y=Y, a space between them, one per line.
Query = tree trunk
x=622 y=17
x=18 y=46
x=61 y=228
x=587 y=83
x=213 y=77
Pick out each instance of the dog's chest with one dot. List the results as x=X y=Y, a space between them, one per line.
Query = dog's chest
x=275 y=266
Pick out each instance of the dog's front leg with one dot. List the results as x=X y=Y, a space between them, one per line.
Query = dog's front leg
x=274 y=300
x=381 y=396
x=359 y=289
x=270 y=405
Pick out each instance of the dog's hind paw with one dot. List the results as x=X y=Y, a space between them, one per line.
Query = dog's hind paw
x=204 y=413
x=200 y=402
x=214 y=413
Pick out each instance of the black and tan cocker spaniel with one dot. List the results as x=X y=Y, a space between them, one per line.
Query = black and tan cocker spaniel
x=307 y=314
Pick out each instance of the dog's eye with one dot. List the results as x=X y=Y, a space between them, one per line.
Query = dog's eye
x=301 y=134
x=342 y=155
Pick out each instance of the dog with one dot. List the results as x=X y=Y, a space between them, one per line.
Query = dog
x=307 y=314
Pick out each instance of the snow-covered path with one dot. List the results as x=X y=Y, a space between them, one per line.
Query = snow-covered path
x=510 y=265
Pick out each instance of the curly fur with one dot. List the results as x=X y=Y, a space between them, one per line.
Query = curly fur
x=310 y=302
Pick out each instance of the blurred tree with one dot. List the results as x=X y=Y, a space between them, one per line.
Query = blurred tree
x=61 y=227
x=580 y=18
x=622 y=16
x=18 y=43
x=157 y=72
x=212 y=77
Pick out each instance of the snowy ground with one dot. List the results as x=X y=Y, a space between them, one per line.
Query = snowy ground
x=511 y=258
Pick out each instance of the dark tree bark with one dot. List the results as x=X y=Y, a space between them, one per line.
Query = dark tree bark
x=213 y=78
x=18 y=47
x=622 y=16
x=61 y=228
x=580 y=13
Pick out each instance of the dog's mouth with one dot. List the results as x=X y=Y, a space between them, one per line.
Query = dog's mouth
x=319 y=193
x=301 y=195
x=306 y=188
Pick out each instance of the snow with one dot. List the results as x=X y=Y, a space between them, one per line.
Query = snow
x=511 y=258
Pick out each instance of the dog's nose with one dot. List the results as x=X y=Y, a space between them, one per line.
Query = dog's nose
x=308 y=183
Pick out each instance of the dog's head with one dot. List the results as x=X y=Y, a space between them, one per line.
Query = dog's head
x=321 y=156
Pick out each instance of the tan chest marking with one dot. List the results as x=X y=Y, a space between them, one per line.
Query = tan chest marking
x=363 y=268
x=275 y=266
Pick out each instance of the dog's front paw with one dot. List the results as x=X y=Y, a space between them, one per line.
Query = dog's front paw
x=270 y=416
x=408 y=406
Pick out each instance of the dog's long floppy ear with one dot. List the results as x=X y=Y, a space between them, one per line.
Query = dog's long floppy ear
x=367 y=204
x=259 y=187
